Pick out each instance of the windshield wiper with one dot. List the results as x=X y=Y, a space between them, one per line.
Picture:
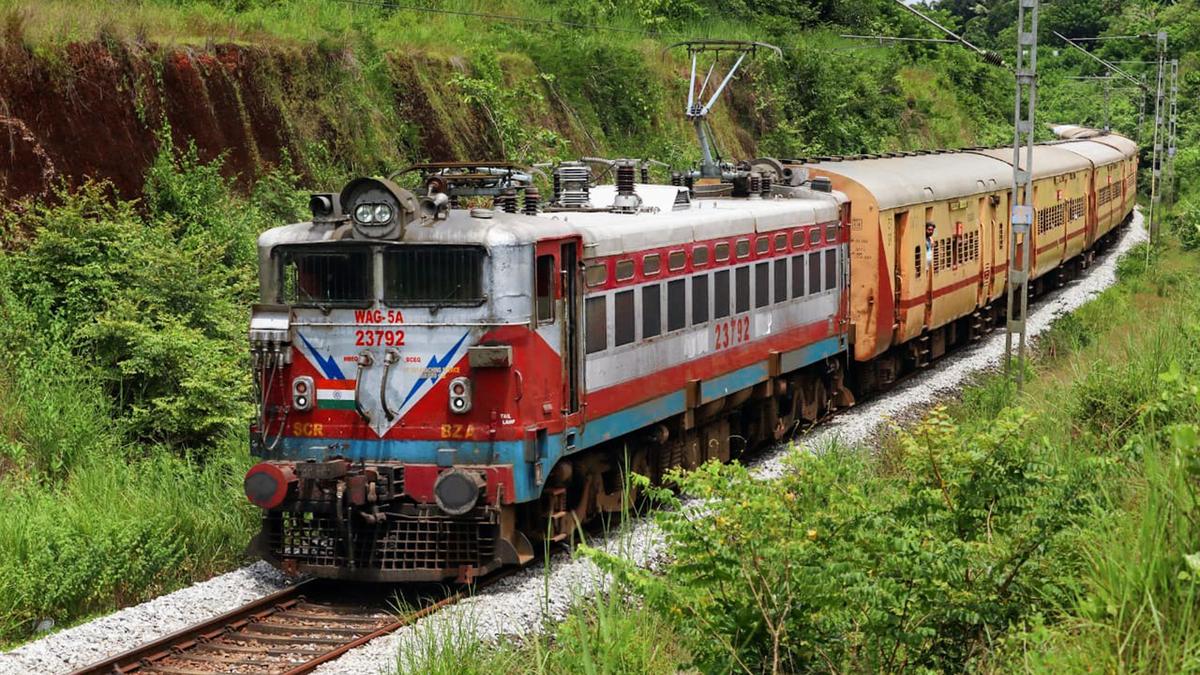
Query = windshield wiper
x=442 y=302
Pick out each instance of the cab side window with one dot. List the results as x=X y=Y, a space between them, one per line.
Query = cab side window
x=545 y=288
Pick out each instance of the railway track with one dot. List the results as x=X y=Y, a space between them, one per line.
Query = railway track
x=297 y=629
x=286 y=633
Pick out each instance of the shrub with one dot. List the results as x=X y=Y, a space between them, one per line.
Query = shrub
x=836 y=568
x=154 y=305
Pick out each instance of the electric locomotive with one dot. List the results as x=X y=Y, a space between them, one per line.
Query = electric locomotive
x=451 y=377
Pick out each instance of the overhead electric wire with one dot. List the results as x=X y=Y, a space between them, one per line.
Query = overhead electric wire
x=891 y=38
x=1111 y=37
x=1101 y=61
x=989 y=56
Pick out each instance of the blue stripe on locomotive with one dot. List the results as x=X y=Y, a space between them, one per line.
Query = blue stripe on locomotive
x=513 y=452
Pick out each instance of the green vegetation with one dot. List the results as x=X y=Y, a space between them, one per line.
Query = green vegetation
x=980 y=538
x=602 y=634
x=124 y=409
x=1055 y=531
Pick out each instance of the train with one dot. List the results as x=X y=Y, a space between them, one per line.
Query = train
x=454 y=375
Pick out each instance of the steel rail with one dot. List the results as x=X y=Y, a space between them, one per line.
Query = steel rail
x=150 y=657
x=136 y=658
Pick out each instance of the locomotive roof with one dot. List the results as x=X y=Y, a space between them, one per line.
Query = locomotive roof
x=603 y=232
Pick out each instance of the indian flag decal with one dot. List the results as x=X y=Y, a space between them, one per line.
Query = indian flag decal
x=336 y=394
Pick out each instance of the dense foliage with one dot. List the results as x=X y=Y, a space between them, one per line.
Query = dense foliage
x=122 y=444
x=976 y=540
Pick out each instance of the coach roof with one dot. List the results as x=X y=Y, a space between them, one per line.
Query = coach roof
x=1099 y=153
x=903 y=181
x=1048 y=160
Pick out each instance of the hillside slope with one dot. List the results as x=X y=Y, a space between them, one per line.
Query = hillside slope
x=87 y=96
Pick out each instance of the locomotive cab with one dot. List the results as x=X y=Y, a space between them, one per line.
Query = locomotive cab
x=406 y=375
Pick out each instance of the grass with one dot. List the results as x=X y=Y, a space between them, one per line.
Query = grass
x=90 y=522
x=608 y=632
x=117 y=480
x=314 y=21
x=1110 y=415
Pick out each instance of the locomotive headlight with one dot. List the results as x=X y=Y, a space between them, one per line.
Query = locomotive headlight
x=460 y=395
x=364 y=213
x=383 y=213
x=302 y=393
x=457 y=491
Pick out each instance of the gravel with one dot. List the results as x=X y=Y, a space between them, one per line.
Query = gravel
x=526 y=602
x=131 y=627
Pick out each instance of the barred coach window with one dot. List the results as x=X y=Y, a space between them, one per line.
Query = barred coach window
x=433 y=275
x=325 y=277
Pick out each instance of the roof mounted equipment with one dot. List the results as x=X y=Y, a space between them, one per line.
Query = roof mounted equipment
x=698 y=109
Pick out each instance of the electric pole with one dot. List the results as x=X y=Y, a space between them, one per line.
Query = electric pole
x=1169 y=182
x=1156 y=161
x=1024 y=105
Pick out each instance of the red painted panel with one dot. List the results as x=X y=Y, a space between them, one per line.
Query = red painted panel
x=419 y=480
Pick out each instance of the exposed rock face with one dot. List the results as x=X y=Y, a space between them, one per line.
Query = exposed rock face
x=97 y=109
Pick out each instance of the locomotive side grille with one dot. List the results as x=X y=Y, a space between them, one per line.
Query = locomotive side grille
x=397 y=545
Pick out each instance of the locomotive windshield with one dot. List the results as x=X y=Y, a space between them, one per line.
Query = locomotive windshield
x=320 y=278
x=432 y=275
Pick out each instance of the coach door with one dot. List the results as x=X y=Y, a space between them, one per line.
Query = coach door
x=557 y=305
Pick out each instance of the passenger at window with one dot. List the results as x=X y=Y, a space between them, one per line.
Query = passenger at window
x=929 y=228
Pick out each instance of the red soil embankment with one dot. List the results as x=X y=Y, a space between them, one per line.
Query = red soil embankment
x=94 y=112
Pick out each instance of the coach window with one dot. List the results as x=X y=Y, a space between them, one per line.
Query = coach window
x=699 y=299
x=831 y=233
x=781 y=284
x=596 y=275
x=676 y=260
x=651 y=264
x=651 y=310
x=762 y=245
x=797 y=238
x=721 y=294
x=762 y=284
x=814 y=272
x=743 y=248
x=700 y=255
x=623 y=317
x=624 y=270
x=722 y=251
x=742 y=288
x=830 y=269
x=798 y=276
x=597 y=324
x=676 y=311
x=545 y=288
x=814 y=236
x=781 y=242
